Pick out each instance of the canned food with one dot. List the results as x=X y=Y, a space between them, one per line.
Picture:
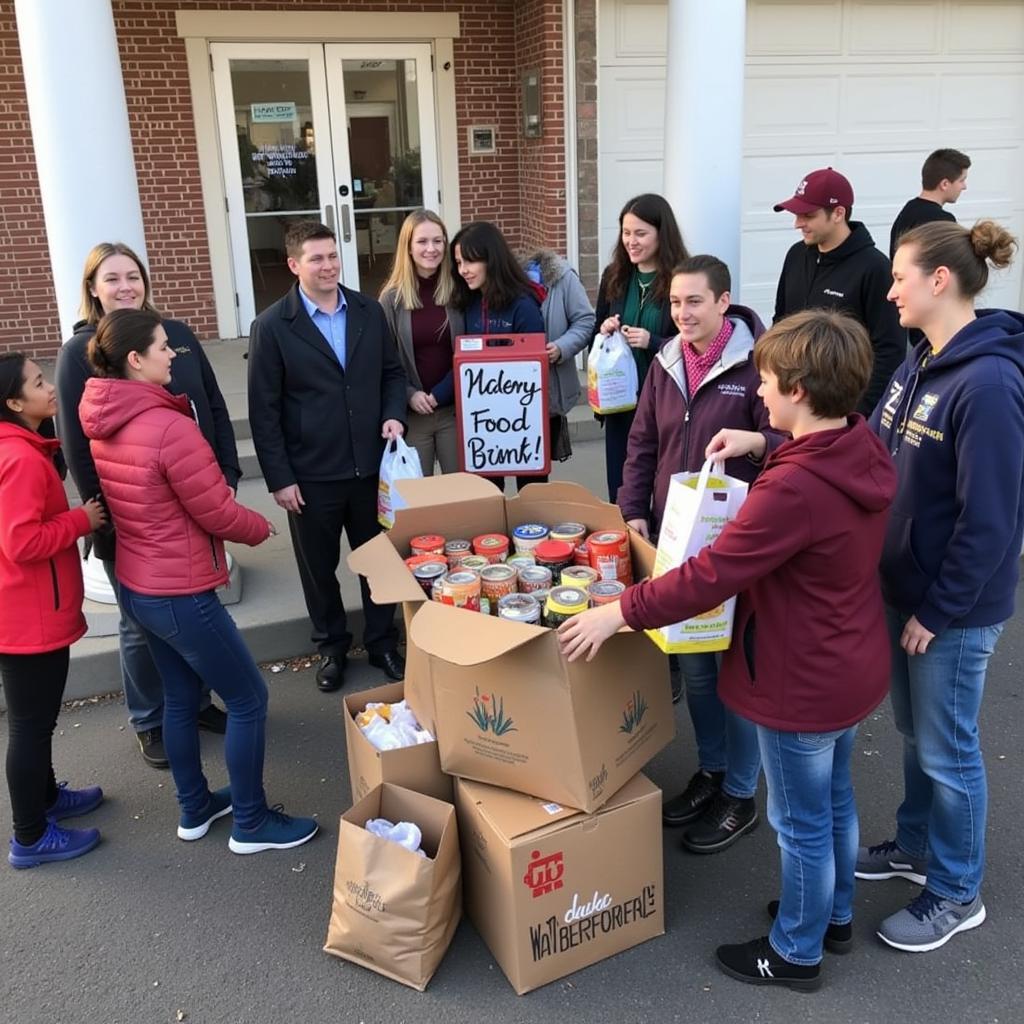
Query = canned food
x=461 y=589
x=555 y=555
x=413 y=560
x=578 y=576
x=541 y=596
x=609 y=555
x=574 y=533
x=427 y=544
x=563 y=603
x=533 y=578
x=473 y=563
x=455 y=551
x=581 y=556
x=521 y=559
x=605 y=592
x=435 y=590
x=528 y=535
x=519 y=607
x=427 y=572
x=492 y=546
x=497 y=581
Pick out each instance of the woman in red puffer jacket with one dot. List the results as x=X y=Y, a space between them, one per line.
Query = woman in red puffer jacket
x=40 y=616
x=173 y=510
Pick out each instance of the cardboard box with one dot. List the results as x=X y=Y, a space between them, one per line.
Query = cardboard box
x=395 y=912
x=417 y=768
x=551 y=890
x=572 y=733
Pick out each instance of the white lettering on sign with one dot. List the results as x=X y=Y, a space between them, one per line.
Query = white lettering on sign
x=503 y=417
x=580 y=910
x=280 y=161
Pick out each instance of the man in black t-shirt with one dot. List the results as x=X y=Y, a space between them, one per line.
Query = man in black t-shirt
x=943 y=178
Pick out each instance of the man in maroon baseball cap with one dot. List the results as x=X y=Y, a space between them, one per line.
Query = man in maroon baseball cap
x=836 y=266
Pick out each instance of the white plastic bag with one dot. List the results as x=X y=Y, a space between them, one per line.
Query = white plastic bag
x=399 y=462
x=612 y=380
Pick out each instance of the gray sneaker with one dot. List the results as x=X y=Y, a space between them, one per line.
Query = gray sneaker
x=929 y=921
x=887 y=860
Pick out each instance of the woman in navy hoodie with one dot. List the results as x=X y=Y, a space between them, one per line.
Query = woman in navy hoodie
x=953 y=420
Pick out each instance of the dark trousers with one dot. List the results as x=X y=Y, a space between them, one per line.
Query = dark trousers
x=33 y=689
x=616 y=437
x=332 y=506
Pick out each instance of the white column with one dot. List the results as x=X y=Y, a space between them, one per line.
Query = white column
x=81 y=137
x=704 y=124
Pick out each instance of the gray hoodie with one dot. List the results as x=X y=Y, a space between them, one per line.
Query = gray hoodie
x=568 y=323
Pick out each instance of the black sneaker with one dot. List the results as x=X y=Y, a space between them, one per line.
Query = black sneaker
x=838 y=937
x=151 y=743
x=691 y=803
x=722 y=823
x=757 y=963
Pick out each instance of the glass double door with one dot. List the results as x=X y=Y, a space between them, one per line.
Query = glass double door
x=342 y=133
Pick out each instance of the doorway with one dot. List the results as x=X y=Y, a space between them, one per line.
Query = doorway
x=341 y=133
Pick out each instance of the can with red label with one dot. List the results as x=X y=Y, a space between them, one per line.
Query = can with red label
x=413 y=560
x=455 y=551
x=492 y=546
x=605 y=591
x=609 y=555
x=427 y=572
x=533 y=578
x=581 y=556
x=461 y=589
x=427 y=544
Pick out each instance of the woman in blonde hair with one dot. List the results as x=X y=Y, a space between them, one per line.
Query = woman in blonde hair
x=115 y=278
x=953 y=421
x=418 y=304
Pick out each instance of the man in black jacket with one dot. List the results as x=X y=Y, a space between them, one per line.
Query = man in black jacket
x=836 y=266
x=325 y=386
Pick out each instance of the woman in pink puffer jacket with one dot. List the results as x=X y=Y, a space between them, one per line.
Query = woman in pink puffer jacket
x=173 y=511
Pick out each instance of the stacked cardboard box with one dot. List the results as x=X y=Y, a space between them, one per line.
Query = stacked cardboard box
x=546 y=754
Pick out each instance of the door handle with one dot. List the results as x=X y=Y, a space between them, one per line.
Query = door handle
x=329 y=216
x=346 y=223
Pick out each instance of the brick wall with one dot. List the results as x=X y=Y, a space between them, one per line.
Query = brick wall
x=519 y=187
x=29 y=319
x=538 y=40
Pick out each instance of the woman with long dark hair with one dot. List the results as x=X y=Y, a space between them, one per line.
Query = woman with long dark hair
x=633 y=298
x=40 y=616
x=418 y=299
x=115 y=278
x=173 y=510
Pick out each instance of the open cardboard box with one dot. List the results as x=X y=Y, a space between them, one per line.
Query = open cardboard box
x=551 y=890
x=505 y=705
x=417 y=768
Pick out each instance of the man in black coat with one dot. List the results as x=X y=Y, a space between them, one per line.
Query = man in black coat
x=836 y=266
x=325 y=388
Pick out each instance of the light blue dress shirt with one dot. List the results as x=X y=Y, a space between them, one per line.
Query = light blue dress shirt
x=330 y=325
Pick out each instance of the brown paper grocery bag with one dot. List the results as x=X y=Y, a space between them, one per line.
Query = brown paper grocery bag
x=396 y=912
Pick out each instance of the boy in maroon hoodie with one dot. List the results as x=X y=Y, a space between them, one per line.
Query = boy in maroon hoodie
x=803 y=554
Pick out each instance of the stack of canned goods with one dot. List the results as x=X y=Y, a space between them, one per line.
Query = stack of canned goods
x=540 y=575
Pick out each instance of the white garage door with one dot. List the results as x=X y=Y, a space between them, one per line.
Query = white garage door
x=867 y=86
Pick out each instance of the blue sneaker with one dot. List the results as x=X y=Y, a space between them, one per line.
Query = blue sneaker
x=56 y=844
x=195 y=826
x=279 y=831
x=70 y=803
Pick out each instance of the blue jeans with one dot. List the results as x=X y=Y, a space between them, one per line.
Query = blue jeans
x=811 y=807
x=143 y=688
x=936 y=697
x=195 y=641
x=725 y=741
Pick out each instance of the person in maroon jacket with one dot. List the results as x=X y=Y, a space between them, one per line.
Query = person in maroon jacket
x=803 y=554
x=700 y=382
x=40 y=616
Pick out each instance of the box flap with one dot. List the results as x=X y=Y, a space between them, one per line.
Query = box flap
x=467 y=638
x=562 y=502
x=444 y=489
x=386 y=572
x=514 y=814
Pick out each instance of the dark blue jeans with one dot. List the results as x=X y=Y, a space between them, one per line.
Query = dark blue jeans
x=195 y=641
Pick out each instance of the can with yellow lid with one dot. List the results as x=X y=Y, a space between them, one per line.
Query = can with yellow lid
x=563 y=603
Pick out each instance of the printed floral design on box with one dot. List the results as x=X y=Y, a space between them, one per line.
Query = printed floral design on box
x=489 y=714
x=633 y=715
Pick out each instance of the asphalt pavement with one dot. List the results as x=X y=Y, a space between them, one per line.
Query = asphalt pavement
x=148 y=929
